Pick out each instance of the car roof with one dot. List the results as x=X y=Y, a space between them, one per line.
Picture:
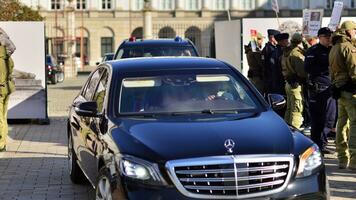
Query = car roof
x=158 y=42
x=166 y=63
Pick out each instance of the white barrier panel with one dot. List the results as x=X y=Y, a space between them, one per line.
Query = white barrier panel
x=228 y=42
x=29 y=101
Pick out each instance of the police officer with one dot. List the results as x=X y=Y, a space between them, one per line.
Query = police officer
x=342 y=61
x=267 y=52
x=6 y=84
x=255 y=63
x=274 y=78
x=322 y=106
x=294 y=75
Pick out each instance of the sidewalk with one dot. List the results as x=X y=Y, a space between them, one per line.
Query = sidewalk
x=35 y=165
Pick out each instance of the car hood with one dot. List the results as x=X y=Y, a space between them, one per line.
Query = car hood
x=163 y=139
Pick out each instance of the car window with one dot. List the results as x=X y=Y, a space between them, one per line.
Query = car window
x=101 y=90
x=184 y=93
x=89 y=90
x=156 y=51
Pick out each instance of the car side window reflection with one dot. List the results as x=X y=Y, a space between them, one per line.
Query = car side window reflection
x=100 y=93
x=89 y=91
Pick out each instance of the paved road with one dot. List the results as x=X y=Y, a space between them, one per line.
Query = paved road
x=35 y=165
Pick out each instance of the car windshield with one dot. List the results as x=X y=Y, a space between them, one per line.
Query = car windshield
x=200 y=93
x=156 y=51
x=108 y=57
x=50 y=60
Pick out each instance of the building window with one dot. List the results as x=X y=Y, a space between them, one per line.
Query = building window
x=191 y=4
x=106 y=4
x=296 y=4
x=81 y=4
x=85 y=49
x=220 y=5
x=166 y=4
x=106 y=45
x=167 y=32
x=138 y=4
x=246 y=4
x=347 y=3
x=55 y=4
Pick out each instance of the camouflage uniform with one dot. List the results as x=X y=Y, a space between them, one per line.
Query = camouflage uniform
x=255 y=72
x=342 y=61
x=294 y=74
x=6 y=84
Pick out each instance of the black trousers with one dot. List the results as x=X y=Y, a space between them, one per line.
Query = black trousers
x=322 y=108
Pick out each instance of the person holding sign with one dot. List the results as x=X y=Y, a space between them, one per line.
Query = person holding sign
x=255 y=63
x=342 y=61
x=322 y=106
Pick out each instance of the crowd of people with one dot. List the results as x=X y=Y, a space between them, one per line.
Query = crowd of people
x=318 y=77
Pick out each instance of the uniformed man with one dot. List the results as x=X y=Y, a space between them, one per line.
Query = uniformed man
x=6 y=84
x=274 y=77
x=342 y=61
x=255 y=63
x=267 y=52
x=295 y=76
x=322 y=106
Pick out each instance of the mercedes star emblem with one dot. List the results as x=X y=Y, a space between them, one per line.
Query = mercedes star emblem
x=229 y=145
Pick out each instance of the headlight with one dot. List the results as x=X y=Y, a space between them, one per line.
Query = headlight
x=139 y=169
x=309 y=161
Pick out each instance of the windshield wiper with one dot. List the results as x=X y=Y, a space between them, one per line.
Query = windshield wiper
x=226 y=111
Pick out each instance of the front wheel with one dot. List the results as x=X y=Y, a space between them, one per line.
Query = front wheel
x=103 y=189
x=54 y=79
x=75 y=173
x=60 y=77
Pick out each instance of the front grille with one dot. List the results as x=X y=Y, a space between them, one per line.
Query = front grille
x=227 y=177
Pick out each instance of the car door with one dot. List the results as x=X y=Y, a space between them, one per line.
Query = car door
x=93 y=143
x=84 y=127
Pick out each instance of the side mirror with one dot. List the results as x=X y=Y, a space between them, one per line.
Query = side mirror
x=276 y=101
x=87 y=109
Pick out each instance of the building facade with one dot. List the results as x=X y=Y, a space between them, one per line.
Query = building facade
x=104 y=24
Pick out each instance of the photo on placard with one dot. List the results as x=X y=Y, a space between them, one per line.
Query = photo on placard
x=315 y=16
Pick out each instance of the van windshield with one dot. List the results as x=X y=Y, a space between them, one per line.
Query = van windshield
x=156 y=51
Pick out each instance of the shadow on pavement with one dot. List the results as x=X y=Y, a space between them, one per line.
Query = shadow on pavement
x=55 y=132
x=67 y=88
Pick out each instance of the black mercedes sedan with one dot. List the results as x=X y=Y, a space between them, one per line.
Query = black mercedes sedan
x=186 y=128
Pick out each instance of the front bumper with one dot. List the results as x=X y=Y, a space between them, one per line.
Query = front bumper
x=312 y=188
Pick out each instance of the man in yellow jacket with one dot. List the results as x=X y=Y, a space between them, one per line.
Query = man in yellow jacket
x=294 y=74
x=342 y=59
x=6 y=83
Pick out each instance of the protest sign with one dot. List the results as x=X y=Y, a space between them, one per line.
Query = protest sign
x=336 y=15
x=253 y=41
x=311 y=22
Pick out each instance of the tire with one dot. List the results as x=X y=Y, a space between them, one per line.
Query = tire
x=54 y=79
x=103 y=189
x=60 y=78
x=75 y=173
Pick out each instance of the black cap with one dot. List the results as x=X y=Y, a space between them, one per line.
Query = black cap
x=272 y=32
x=281 y=36
x=325 y=31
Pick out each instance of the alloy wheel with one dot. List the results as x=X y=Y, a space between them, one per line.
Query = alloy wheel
x=103 y=190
